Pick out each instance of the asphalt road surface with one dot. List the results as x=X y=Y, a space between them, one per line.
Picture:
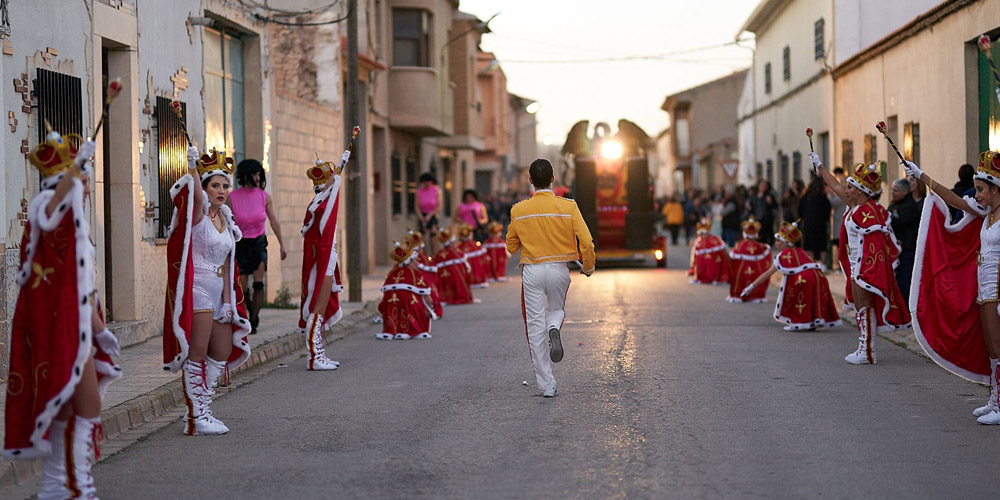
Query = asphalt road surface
x=666 y=391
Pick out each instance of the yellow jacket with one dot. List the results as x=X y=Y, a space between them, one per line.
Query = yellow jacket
x=674 y=213
x=547 y=228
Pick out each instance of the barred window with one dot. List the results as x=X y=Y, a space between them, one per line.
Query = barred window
x=397 y=184
x=818 y=37
x=786 y=63
x=767 y=78
x=847 y=153
x=171 y=149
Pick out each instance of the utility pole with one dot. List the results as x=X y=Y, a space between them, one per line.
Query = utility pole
x=354 y=108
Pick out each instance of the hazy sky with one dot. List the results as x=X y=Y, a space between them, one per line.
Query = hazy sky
x=557 y=31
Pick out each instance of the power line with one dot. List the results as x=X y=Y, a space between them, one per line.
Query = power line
x=637 y=57
x=317 y=23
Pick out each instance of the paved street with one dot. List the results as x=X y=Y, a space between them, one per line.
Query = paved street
x=666 y=391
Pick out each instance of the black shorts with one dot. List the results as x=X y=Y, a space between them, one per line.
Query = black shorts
x=250 y=252
x=430 y=227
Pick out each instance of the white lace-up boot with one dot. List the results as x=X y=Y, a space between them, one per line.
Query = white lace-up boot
x=317 y=360
x=991 y=403
x=54 y=467
x=213 y=370
x=199 y=420
x=81 y=453
x=993 y=417
x=866 y=326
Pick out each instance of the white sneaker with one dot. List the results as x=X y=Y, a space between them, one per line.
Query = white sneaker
x=549 y=393
x=323 y=363
x=859 y=358
x=206 y=425
x=983 y=410
x=383 y=336
x=424 y=335
x=402 y=336
x=991 y=418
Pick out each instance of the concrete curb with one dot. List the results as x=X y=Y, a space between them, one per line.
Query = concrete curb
x=124 y=418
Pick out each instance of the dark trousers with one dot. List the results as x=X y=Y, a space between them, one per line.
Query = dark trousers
x=904 y=272
x=675 y=230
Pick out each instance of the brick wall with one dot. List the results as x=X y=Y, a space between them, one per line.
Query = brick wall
x=301 y=130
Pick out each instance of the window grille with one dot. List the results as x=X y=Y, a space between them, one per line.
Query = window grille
x=397 y=184
x=60 y=103
x=171 y=145
x=767 y=78
x=847 y=154
x=411 y=185
x=786 y=63
x=819 y=50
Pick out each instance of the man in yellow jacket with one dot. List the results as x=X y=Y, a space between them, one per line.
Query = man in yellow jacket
x=550 y=232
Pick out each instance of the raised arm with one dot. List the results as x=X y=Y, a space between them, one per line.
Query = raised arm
x=197 y=194
x=66 y=183
x=828 y=178
x=946 y=194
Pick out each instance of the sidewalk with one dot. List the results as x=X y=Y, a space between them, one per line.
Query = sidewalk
x=146 y=392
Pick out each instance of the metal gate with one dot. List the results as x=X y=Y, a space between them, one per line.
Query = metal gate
x=60 y=103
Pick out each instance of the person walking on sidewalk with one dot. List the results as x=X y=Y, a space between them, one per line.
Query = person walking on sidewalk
x=60 y=349
x=205 y=324
x=251 y=207
x=867 y=258
x=550 y=232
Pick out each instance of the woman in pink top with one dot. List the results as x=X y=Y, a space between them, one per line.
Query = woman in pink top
x=473 y=213
x=429 y=201
x=251 y=206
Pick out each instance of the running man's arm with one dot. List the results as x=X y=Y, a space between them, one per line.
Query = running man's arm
x=586 y=241
x=513 y=241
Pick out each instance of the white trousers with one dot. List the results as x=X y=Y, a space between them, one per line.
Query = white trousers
x=543 y=299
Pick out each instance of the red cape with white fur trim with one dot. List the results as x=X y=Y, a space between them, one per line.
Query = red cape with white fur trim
x=430 y=272
x=453 y=276
x=880 y=255
x=748 y=260
x=178 y=310
x=51 y=333
x=319 y=230
x=402 y=307
x=709 y=260
x=944 y=289
x=804 y=299
x=496 y=248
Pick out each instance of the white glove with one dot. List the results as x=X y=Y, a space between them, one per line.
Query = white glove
x=84 y=154
x=344 y=157
x=746 y=291
x=192 y=157
x=816 y=162
x=911 y=168
x=108 y=342
x=226 y=314
x=997 y=90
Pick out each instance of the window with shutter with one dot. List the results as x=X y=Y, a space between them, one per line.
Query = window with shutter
x=171 y=145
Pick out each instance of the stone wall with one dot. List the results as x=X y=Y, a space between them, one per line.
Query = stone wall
x=301 y=130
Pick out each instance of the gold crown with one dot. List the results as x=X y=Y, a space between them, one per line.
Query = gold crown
x=866 y=178
x=414 y=239
x=464 y=230
x=445 y=236
x=989 y=167
x=751 y=227
x=321 y=172
x=56 y=154
x=705 y=224
x=790 y=233
x=215 y=162
x=495 y=228
x=401 y=252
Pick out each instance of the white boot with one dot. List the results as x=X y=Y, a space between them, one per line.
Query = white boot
x=993 y=417
x=199 y=420
x=213 y=370
x=991 y=404
x=866 y=326
x=81 y=453
x=54 y=467
x=317 y=360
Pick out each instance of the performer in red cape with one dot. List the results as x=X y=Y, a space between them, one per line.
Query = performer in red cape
x=430 y=271
x=405 y=307
x=476 y=256
x=709 y=260
x=60 y=351
x=320 y=309
x=804 y=302
x=496 y=248
x=868 y=258
x=954 y=297
x=453 y=272
x=205 y=323
x=748 y=260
